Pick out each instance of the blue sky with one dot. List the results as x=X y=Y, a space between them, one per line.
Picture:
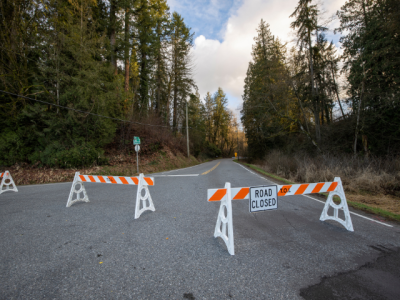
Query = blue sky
x=224 y=32
x=206 y=17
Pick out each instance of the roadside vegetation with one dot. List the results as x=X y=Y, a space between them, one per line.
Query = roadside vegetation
x=79 y=79
x=311 y=114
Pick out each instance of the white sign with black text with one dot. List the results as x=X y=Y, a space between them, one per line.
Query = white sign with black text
x=263 y=198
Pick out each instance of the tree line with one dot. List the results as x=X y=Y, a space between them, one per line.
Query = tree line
x=122 y=59
x=294 y=98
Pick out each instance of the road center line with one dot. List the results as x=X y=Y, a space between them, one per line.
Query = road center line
x=213 y=168
x=324 y=202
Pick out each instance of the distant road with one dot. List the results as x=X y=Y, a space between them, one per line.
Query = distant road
x=97 y=250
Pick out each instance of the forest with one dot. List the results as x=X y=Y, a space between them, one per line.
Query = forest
x=308 y=97
x=80 y=78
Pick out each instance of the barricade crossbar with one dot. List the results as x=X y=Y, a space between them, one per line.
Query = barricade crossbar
x=116 y=179
x=242 y=193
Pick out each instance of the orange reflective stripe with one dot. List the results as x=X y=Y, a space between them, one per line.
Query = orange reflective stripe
x=112 y=179
x=242 y=194
x=135 y=180
x=101 y=178
x=301 y=189
x=317 y=188
x=218 y=195
x=91 y=178
x=123 y=180
x=284 y=190
x=148 y=180
x=332 y=187
x=82 y=178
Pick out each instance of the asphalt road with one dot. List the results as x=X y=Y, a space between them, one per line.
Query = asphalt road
x=97 y=250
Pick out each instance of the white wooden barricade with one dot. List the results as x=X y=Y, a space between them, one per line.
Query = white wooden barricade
x=141 y=181
x=7 y=183
x=227 y=194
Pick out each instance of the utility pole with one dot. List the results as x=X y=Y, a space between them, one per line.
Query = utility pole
x=187 y=129
x=237 y=132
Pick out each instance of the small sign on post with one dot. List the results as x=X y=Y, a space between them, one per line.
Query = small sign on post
x=136 y=142
x=263 y=198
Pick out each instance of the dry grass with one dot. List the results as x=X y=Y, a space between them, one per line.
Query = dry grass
x=119 y=165
x=373 y=181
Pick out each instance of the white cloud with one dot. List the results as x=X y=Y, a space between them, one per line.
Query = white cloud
x=224 y=64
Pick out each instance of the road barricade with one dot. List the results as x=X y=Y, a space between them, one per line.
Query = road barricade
x=7 y=183
x=227 y=194
x=141 y=181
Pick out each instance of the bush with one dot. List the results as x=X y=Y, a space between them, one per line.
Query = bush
x=211 y=150
x=374 y=175
x=56 y=155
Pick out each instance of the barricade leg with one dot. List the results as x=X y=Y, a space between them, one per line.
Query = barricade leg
x=226 y=221
x=7 y=183
x=142 y=200
x=74 y=191
x=343 y=205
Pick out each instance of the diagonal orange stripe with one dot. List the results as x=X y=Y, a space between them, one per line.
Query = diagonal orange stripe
x=284 y=190
x=101 y=178
x=123 y=180
x=242 y=194
x=148 y=180
x=301 y=189
x=135 y=180
x=82 y=178
x=332 y=187
x=218 y=195
x=317 y=188
x=112 y=179
x=91 y=178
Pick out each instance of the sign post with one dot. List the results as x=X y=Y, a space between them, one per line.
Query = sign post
x=263 y=198
x=136 y=142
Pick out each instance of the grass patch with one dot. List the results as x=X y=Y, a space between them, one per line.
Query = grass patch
x=153 y=163
x=374 y=210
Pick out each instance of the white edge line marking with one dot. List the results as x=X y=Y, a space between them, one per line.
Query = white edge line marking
x=324 y=202
x=352 y=213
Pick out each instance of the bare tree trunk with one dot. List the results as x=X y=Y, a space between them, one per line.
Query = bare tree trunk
x=127 y=63
x=112 y=35
x=316 y=110
x=358 y=114
x=336 y=90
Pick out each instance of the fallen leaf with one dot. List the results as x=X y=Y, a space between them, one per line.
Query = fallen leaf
x=100 y=262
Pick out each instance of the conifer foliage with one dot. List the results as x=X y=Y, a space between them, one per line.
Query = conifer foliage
x=126 y=59
x=294 y=100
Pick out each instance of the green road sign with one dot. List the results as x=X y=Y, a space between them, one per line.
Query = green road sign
x=136 y=140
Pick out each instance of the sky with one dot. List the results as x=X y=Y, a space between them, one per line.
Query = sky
x=224 y=35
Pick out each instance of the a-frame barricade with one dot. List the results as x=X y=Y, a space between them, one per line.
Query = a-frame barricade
x=227 y=194
x=7 y=183
x=78 y=192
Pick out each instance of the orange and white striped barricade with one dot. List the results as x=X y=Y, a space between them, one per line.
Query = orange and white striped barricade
x=7 y=183
x=141 y=181
x=227 y=194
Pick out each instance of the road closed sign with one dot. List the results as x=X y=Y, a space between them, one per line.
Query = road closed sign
x=263 y=198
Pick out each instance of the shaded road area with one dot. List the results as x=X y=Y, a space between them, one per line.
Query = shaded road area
x=97 y=250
